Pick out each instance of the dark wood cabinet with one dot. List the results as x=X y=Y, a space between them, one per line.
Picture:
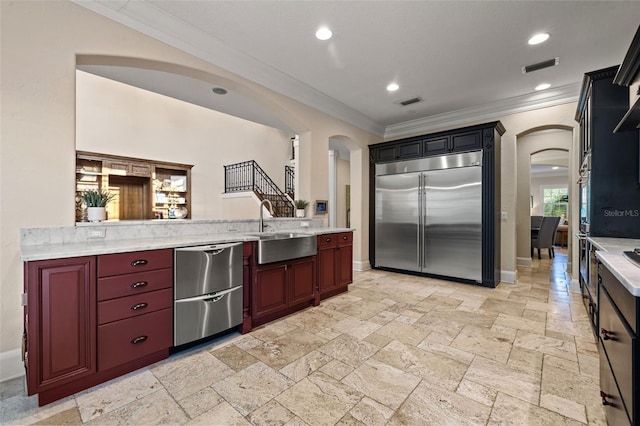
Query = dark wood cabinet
x=60 y=322
x=619 y=319
x=404 y=151
x=91 y=319
x=610 y=194
x=335 y=269
x=466 y=141
x=281 y=288
x=437 y=145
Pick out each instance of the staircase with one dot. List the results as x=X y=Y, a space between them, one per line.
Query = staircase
x=249 y=176
x=289 y=181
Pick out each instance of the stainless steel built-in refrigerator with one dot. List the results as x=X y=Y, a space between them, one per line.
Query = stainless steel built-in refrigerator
x=428 y=215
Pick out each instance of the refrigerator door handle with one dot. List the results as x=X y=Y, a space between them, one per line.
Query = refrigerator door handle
x=419 y=225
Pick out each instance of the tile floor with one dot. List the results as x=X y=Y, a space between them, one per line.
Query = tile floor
x=395 y=349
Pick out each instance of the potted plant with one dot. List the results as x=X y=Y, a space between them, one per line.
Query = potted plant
x=96 y=201
x=301 y=205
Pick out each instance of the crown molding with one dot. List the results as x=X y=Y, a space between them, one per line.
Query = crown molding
x=153 y=22
x=487 y=112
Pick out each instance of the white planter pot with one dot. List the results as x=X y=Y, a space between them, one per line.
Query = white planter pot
x=96 y=214
x=299 y=212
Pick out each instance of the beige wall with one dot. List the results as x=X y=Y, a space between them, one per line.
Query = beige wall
x=115 y=118
x=40 y=44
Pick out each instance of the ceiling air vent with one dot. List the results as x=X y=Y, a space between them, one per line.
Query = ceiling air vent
x=409 y=101
x=541 y=65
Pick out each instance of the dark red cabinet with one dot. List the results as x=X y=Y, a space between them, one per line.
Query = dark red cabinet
x=335 y=270
x=282 y=288
x=60 y=322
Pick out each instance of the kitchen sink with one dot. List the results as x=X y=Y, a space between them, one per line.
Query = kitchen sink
x=279 y=246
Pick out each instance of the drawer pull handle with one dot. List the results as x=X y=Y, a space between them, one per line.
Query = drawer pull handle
x=138 y=262
x=604 y=397
x=214 y=299
x=139 y=339
x=139 y=284
x=345 y=238
x=328 y=240
x=138 y=306
x=606 y=334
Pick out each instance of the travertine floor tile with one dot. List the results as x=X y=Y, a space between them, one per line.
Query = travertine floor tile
x=546 y=345
x=503 y=378
x=190 y=374
x=484 y=342
x=200 y=402
x=286 y=348
x=521 y=323
x=116 y=393
x=252 y=387
x=434 y=368
x=221 y=414
x=234 y=357
x=272 y=413
x=330 y=399
x=382 y=382
x=508 y=410
x=155 y=408
x=349 y=350
x=67 y=417
x=302 y=367
x=428 y=405
x=356 y=327
x=403 y=332
x=479 y=393
x=564 y=406
x=371 y=412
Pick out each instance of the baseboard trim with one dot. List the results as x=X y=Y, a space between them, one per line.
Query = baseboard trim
x=508 y=276
x=11 y=365
x=524 y=261
x=361 y=266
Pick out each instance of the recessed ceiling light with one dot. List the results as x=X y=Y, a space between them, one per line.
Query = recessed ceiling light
x=392 y=87
x=323 y=33
x=219 y=91
x=555 y=168
x=543 y=86
x=538 y=38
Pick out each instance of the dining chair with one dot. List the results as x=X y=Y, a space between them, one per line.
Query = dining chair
x=546 y=236
x=536 y=221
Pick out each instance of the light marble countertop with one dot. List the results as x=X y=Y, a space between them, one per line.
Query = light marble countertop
x=610 y=254
x=96 y=247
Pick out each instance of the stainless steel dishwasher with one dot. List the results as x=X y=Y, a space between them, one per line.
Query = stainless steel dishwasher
x=207 y=291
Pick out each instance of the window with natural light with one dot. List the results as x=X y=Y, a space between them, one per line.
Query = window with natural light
x=555 y=201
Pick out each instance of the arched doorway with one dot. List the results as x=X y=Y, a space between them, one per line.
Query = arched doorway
x=543 y=145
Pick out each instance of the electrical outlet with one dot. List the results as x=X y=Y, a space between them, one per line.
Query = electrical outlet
x=304 y=224
x=96 y=233
x=503 y=215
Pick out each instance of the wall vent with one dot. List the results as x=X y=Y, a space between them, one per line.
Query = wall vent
x=541 y=65
x=409 y=101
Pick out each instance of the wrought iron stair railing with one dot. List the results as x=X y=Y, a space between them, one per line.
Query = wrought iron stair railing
x=249 y=176
x=289 y=181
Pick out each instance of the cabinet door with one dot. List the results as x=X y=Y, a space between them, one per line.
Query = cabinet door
x=387 y=153
x=466 y=141
x=269 y=291
x=60 y=322
x=326 y=268
x=408 y=150
x=301 y=280
x=344 y=272
x=117 y=167
x=436 y=145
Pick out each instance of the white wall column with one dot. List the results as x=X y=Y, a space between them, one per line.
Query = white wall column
x=333 y=199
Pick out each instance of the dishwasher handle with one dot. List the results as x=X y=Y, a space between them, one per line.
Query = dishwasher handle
x=210 y=297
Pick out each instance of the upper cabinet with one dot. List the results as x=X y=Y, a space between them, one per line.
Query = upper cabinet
x=143 y=189
x=629 y=75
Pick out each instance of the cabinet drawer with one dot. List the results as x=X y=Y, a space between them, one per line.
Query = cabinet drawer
x=126 y=340
x=131 y=306
x=136 y=261
x=327 y=240
x=625 y=301
x=618 y=345
x=614 y=409
x=344 y=238
x=131 y=284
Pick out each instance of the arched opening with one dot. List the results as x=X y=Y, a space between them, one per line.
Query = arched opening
x=543 y=159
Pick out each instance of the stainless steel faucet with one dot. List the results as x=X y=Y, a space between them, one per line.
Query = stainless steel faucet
x=262 y=203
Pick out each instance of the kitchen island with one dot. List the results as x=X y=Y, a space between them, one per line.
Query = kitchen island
x=99 y=299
